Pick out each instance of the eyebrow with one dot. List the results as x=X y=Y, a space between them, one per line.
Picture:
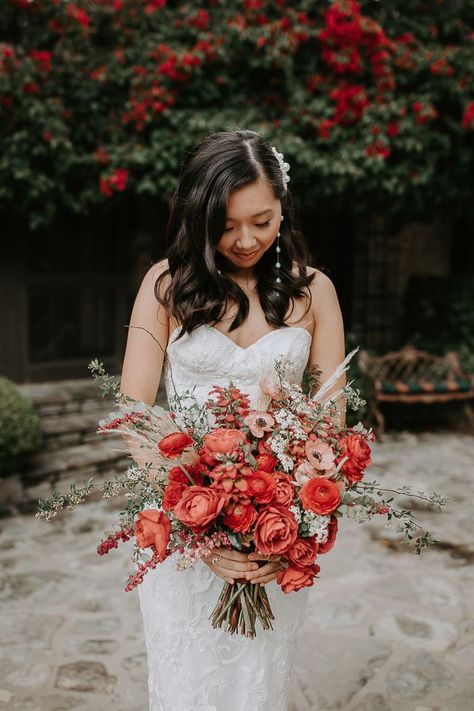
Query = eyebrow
x=257 y=214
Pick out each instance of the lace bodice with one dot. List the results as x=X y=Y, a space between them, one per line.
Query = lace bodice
x=191 y=665
x=208 y=357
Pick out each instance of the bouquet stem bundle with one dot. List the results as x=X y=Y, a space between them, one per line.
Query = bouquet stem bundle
x=239 y=606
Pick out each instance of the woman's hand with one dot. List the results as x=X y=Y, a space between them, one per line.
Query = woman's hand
x=232 y=565
x=267 y=572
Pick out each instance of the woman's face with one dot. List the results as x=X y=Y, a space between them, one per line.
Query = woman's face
x=253 y=221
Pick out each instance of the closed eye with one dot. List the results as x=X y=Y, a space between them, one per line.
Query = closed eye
x=257 y=224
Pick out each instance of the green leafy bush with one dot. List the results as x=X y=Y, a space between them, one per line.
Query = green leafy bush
x=371 y=101
x=19 y=427
x=439 y=316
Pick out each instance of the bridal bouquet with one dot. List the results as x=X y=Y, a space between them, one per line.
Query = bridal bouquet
x=274 y=481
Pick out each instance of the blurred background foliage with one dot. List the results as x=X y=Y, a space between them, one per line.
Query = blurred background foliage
x=371 y=101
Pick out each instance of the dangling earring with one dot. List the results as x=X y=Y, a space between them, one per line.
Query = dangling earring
x=278 y=250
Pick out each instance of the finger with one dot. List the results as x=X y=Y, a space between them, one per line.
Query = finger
x=260 y=556
x=263 y=570
x=232 y=554
x=241 y=567
x=265 y=579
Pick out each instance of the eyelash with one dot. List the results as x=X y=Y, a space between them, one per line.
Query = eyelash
x=261 y=224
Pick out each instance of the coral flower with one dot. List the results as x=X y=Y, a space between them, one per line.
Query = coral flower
x=320 y=454
x=259 y=422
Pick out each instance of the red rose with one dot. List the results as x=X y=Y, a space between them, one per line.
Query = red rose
x=240 y=517
x=292 y=579
x=285 y=491
x=266 y=462
x=261 y=486
x=152 y=528
x=198 y=507
x=303 y=552
x=177 y=476
x=320 y=495
x=275 y=531
x=326 y=547
x=358 y=451
x=174 y=444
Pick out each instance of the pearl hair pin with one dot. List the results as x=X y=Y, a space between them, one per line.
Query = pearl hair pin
x=284 y=166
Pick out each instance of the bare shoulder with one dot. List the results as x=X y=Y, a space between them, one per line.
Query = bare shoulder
x=147 y=286
x=156 y=269
x=323 y=292
x=322 y=285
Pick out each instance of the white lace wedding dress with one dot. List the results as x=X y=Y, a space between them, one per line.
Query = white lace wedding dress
x=191 y=665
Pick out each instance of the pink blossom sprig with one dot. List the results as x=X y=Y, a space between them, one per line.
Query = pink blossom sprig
x=122 y=535
x=200 y=547
x=128 y=418
x=137 y=577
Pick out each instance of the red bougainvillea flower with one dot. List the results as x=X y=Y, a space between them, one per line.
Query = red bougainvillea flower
x=152 y=528
x=320 y=495
x=116 y=181
x=43 y=59
x=200 y=20
x=468 y=117
x=174 y=444
x=78 y=14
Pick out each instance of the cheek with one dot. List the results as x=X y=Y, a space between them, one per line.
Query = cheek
x=225 y=243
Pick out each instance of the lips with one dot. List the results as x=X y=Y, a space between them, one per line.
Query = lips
x=246 y=256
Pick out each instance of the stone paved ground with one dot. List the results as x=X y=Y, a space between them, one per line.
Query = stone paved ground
x=386 y=629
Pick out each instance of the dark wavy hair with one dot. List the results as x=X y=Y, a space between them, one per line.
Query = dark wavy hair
x=198 y=291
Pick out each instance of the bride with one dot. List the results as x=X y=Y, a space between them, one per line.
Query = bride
x=234 y=293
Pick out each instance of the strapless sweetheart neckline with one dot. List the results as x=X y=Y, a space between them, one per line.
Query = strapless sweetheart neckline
x=251 y=345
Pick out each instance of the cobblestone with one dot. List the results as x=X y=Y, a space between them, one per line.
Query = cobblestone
x=386 y=630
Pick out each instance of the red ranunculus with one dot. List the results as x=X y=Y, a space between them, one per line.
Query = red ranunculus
x=292 y=578
x=320 y=495
x=303 y=551
x=261 y=486
x=152 y=528
x=358 y=451
x=327 y=545
x=198 y=507
x=240 y=517
x=172 y=494
x=266 y=462
x=174 y=444
x=275 y=531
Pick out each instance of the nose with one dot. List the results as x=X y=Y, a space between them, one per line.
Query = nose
x=246 y=240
